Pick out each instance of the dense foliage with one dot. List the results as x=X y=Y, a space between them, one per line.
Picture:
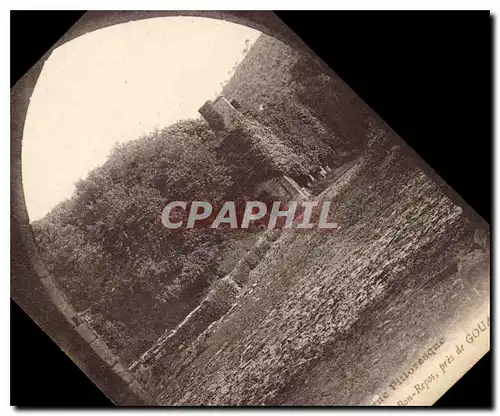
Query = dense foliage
x=289 y=92
x=106 y=245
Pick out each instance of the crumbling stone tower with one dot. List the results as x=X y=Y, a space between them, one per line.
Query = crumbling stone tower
x=221 y=115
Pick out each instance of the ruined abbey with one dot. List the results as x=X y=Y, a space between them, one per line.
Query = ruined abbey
x=223 y=116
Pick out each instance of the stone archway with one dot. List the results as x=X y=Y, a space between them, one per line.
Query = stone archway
x=265 y=22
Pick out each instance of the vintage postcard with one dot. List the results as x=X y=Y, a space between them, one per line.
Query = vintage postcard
x=208 y=215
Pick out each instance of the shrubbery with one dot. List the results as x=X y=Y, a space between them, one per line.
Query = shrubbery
x=108 y=250
x=106 y=245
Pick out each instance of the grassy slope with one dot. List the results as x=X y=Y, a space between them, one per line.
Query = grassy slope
x=309 y=327
x=310 y=292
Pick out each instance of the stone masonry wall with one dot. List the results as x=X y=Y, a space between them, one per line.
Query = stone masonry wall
x=85 y=332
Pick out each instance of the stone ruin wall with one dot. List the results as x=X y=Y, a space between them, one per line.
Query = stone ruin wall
x=219 y=114
x=77 y=323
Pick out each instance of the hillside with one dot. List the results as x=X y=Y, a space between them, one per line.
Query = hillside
x=266 y=69
x=129 y=278
x=308 y=326
x=289 y=92
x=111 y=255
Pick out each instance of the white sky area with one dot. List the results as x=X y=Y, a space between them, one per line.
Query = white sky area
x=115 y=85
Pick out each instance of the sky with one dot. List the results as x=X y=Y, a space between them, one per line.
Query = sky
x=115 y=85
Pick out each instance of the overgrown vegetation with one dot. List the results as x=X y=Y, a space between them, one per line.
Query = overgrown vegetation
x=106 y=246
x=287 y=91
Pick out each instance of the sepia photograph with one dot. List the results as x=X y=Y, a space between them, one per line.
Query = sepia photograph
x=218 y=219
